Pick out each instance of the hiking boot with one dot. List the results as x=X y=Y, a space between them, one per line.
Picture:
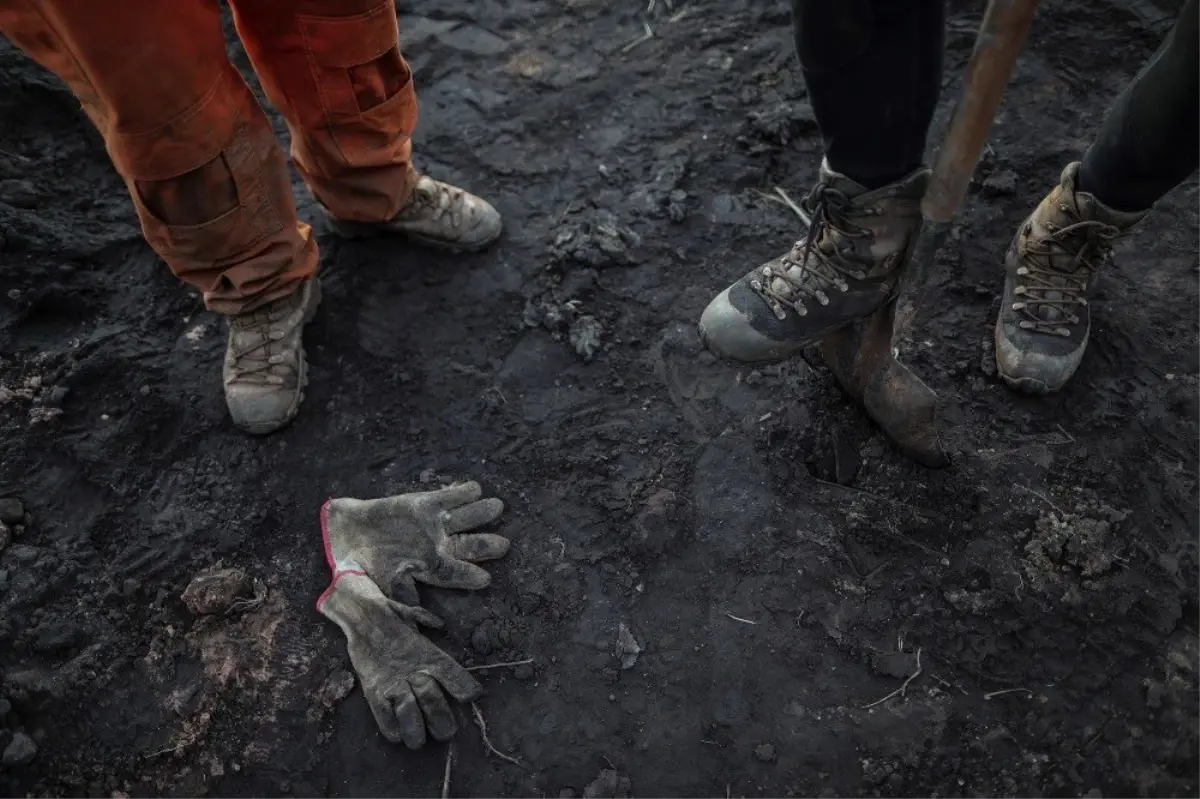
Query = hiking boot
x=436 y=214
x=845 y=268
x=265 y=370
x=1050 y=267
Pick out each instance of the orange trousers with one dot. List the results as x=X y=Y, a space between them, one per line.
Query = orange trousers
x=201 y=162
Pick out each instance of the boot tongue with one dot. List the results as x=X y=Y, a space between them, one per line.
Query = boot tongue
x=829 y=238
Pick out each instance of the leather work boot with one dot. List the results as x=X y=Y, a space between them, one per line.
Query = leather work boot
x=846 y=268
x=436 y=214
x=1050 y=267
x=265 y=371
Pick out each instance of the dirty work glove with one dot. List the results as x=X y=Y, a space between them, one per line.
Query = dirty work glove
x=418 y=537
x=403 y=675
x=394 y=542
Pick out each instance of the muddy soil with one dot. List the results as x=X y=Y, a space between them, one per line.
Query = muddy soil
x=780 y=566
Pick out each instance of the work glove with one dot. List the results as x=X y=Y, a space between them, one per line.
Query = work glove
x=396 y=541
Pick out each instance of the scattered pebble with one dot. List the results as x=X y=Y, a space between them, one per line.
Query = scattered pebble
x=20 y=750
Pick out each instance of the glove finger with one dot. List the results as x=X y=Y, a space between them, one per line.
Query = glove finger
x=455 y=495
x=457 y=681
x=415 y=614
x=403 y=589
x=476 y=514
x=475 y=547
x=409 y=718
x=385 y=718
x=439 y=718
x=459 y=574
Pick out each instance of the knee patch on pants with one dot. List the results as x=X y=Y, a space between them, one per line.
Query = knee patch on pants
x=198 y=181
x=364 y=83
x=830 y=34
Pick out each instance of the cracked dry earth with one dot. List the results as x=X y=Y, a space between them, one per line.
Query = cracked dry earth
x=717 y=571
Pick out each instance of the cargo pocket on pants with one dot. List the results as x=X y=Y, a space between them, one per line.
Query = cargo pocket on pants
x=364 y=83
x=205 y=245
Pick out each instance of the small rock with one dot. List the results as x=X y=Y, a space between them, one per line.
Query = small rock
x=20 y=750
x=765 y=753
x=218 y=591
x=6 y=536
x=628 y=648
x=523 y=672
x=5 y=708
x=11 y=510
x=567 y=793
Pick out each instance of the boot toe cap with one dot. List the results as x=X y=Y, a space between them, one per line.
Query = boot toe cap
x=727 y=331
x=1026 y=369
x=260 y=410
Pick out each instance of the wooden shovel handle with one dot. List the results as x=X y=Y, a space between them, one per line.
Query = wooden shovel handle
x=1001 y=36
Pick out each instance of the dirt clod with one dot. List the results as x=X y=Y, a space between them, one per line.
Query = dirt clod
x=12 y=510
x=765 y=753
x=217 y=591
x=609 y=785
x=20 y=750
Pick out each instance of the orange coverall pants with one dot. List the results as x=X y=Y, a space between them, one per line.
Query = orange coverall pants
x=201 y=162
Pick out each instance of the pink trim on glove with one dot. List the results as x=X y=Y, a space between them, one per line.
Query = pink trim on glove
x=337 y=575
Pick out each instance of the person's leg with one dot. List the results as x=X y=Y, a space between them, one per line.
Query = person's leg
x=873 y=71
x=208 y=180
x=1146 y=146
x=1148 y=143
x=335 y=71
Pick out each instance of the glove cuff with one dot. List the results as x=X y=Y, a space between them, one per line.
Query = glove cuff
x=340 y=570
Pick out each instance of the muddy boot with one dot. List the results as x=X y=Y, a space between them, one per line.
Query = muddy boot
x=1042 y=329
x=846 y=268
x=265 y=371
x=437 y=214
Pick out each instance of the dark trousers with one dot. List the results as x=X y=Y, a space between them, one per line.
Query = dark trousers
x=874 y=73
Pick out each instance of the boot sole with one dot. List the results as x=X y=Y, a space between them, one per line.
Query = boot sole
x=356 y=231
x=293 y=409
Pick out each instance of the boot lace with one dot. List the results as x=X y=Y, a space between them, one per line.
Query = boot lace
x=262 y=359
x=1053 y=295
x=433 y=201
x=820 y=262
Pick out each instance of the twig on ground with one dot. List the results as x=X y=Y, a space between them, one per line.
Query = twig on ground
x=649 y=34
x=482 y=725
x=994 y=694
x=487 y=666
x=680 y=14
x=168 y=750
x=899 y=691
x=796 y=209
x=1042 y=497
x=650 y=7
x=739 y=618
x=1063 y=430
x=446 y=775
x=782 y=198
